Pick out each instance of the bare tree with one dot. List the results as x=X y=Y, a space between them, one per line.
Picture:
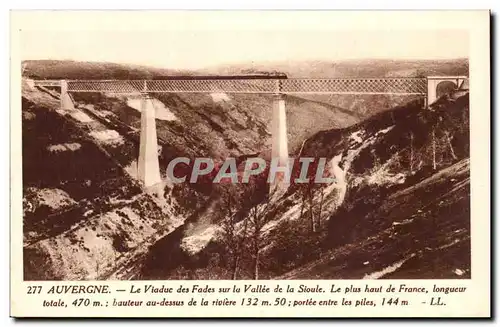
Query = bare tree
x=411 y=153
x=447 y=123
x=307 y=204
x=320 y=209
x=309 y=191
x=433 y=148
x=231 y=236
x=257 y=223
x=259 y=215
x=234 y=234
x=303 y=201
x=450 y=146
x=310 y=198
x=309 y=207
x=240 y=243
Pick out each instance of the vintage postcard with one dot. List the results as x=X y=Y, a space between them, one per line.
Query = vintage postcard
x=250 y=164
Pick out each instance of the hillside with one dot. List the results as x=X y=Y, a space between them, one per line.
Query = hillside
x=421 y=231
x=399 y=208
x=404 y=209
x=351 y=68
x=84 y=215
x=67 y=69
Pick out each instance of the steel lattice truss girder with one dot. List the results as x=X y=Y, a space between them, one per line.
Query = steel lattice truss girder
x=47 y=83
x=416 y=86
x=356 y=86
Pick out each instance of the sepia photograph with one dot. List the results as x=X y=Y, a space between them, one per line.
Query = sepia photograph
x=255 y=154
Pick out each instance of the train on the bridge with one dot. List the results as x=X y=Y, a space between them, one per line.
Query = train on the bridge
x=264 y=75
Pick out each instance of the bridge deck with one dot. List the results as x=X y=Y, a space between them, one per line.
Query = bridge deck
x=416 y=86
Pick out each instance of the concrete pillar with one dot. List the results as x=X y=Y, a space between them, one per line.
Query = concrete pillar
x=148 y=165
x=279 y=136
x=66 y=102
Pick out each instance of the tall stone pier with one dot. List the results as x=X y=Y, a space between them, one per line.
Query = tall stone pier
x=148 y=165
x=66 y=102
x=434 y=81
x=279 y=140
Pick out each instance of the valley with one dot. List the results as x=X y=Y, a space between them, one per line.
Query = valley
x=399 y=207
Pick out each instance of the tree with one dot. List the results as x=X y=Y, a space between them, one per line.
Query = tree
x=257 y=223
x=237 y=199
x=234 y=235
x=449 y=121
x=447 y=136
x=259 y=215
x=411 y=153
x=433 y=148
x=294 y=246
x=309 y=191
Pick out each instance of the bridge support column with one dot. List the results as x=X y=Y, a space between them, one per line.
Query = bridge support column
x=148 y=165
x=279 y=138
x=431 y=92
x=66 y=102
x=434 y=81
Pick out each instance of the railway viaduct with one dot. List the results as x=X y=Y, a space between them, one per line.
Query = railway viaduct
x=277 y=86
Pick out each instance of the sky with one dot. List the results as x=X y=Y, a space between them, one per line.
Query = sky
x=184 y=42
